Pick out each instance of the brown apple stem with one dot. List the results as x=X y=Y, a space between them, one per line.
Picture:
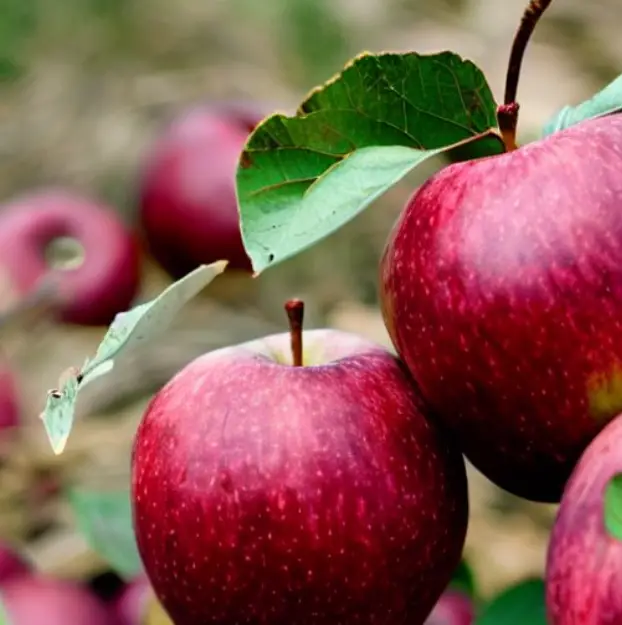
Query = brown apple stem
x=295 y=310
x=507 y=113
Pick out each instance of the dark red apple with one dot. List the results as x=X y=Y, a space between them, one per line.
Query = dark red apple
x=35 y=600
x=9 y=410
x=12 y=564
x=453 y=608
x=501 y=287
x=269 y=491
x=130 y=606
x=187 y=192
x=584 y=563
x=103 y=273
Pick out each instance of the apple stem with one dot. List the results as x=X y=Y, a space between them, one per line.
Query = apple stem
x=295 y=310
x=507 y=113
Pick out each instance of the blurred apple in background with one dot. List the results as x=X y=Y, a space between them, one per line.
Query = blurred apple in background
x=9 y=409
x=130 y=605
x=37 y=600
x=78 y=246
x=453 y=608
x=12 y=564
x=187 y=193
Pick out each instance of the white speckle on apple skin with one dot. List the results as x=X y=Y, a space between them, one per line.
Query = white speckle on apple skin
x=267 y=493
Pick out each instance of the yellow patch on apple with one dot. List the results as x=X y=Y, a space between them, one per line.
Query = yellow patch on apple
x=604 y=391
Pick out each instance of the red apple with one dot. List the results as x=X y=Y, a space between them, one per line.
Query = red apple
x=265 y=491
x=130 y=606
x=12 y=564
x=584 y=563
x=101 y=284
x=187 y=192
x=453 y=608
x=9 y=411
x=35 y=600
x=501 y=287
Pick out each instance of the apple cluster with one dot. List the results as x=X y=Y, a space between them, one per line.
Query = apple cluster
x=322 y=480
x=29 y=597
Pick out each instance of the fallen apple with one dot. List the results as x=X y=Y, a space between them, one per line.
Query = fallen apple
x=9 y=410
x=584 y=561
x=130 y=605
x=75 y=244
x=35 y=600
x=501 y=287
x=12 y=564
x=187 y=195
x=453 y=608
x=296 y=484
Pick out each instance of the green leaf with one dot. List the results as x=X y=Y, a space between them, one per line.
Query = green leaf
x=521 y=604
x=105 y=520
x=464 y=579
x=607 y=101
x=4 y=617
x=301 y=178
x=613 y=506
x=128 y=330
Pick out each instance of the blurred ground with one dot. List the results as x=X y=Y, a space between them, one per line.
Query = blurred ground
x=86 y=84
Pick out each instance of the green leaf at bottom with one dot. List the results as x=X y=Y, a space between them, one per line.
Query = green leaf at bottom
x=613 y=507
x=105 y=520
x=521 y=604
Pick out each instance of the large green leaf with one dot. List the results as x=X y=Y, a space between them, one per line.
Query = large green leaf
x=613 y=507
x=521 y=604
x=128 y=330
x=105 y=520
x=607 y=101
x=301 y=178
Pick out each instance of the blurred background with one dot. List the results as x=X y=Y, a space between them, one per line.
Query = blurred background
x=86 y=87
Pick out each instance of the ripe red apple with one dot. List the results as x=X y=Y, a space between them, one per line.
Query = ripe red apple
x=12 y=564
x=453 y=608
x=584 y=563
x=130 y=606
x=501 y=287
x=9 y=410
x=187 y=192
x=296 y=487
x=90 y=290
x=35 y=600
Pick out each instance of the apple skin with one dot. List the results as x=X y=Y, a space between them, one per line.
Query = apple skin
x=130 y=606
x=12 y=564
x=108 y=279
x=584 y=563
x=501 y=288
x=264 y=492
x=36 y=600
x=9 y=409
x=453 y=608
x=187 y=194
